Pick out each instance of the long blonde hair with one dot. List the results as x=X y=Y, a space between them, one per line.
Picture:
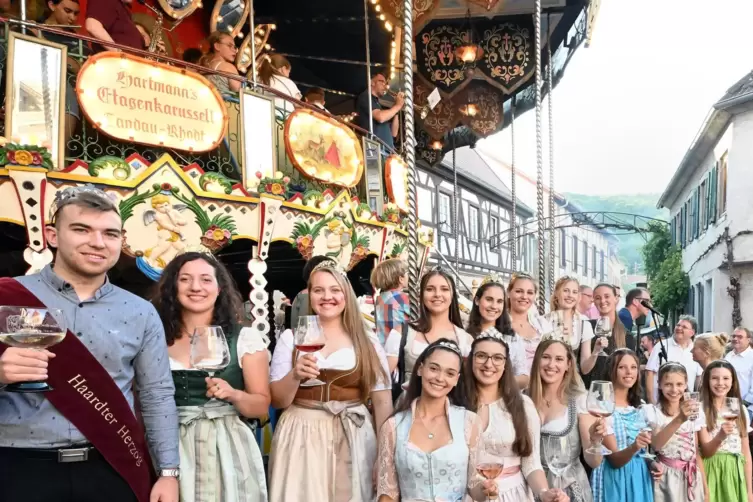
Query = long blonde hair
x=571 y=386
x=554 y=301
x=518 y=276
x=352 y=320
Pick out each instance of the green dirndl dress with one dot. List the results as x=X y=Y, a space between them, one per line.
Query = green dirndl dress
x=725 y=471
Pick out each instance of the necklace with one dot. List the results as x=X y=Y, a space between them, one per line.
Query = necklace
x=548 y=403
x=431 y=431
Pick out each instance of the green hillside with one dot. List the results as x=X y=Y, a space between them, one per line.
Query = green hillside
x=641 y=204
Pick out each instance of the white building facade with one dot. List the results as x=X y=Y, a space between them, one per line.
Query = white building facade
x=581 y=250
x=710 y=199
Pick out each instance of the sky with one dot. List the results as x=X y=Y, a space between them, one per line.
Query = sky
x=630 y=105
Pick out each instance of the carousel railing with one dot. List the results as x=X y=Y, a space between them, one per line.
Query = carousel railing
x=87 y=143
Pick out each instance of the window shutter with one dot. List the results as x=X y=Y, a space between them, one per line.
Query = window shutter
x=696 y=220
x=683 y=225
x=672 y=230
x=712 y=191
x=707 y=200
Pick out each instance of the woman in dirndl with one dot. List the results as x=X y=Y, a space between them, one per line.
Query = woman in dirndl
x=324 y=447
x=220 y=460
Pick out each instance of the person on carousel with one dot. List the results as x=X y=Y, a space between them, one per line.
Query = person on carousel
x=81 y=440
x=220 y=456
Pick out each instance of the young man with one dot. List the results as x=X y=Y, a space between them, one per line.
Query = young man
x=679 y=350
x=634 y=308
x=385 y=120
x=316 y=97
x=81 y=441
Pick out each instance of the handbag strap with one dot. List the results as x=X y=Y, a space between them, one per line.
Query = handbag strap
x=401 y=353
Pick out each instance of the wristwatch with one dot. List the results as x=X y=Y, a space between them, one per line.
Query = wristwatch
x=169 y=473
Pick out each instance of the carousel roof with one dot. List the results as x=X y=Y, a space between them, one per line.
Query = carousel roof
x=312 y=37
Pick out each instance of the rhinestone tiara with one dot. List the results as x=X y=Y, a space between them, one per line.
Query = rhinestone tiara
x=330 y=265
x=491 y=334
x=450 y=346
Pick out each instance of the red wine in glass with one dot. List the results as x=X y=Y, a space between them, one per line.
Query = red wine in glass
x=489 y=470
x=309 y=348
x=600 y=413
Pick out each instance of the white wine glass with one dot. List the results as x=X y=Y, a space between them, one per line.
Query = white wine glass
x=557 y=456
x=647 y=453
x=730 y=409
x=603 y=329
x=31 y=328
x=209 y=352
x=489 y=462
x=695 y=399
x=309 y=339
x=600 y=404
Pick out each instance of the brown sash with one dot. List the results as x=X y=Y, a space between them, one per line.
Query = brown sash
x=84 y=393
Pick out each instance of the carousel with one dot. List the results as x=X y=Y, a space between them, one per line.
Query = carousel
x=263 y=185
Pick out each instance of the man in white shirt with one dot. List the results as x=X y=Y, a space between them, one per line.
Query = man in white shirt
x=741 y=358
x=679 y=350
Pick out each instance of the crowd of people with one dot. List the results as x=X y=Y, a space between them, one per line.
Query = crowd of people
x=414 y=410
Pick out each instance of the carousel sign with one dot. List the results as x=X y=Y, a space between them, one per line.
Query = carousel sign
x=141 y=101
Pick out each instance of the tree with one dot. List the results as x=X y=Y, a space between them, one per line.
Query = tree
x=663 y=260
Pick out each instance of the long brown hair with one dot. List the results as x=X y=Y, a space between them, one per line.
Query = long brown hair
x=619 y=332
x=270 y=67
x=503 y=322
x=707 y=397
x=507 y=389
x=571 y=386
x=228 y=308
x=423 y=323
x=352 y=319
x=613 y=362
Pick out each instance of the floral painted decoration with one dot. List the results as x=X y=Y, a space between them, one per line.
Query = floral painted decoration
x=25 y=155
x=275 y=186
x=391 y=214
x=215 y=238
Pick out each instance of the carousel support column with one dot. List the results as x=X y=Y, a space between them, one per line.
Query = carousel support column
x=514 y=216
x=539 y=163
x=268 y=212
x=455 y=204
x=31 y=187
x=368 y=61
x=252 y=27
x=550 y=84
x=410 y=156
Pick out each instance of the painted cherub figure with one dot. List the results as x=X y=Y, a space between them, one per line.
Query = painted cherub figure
x=169 y=234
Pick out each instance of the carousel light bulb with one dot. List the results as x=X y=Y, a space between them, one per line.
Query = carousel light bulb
x=241 y=5
x=219 y=19
x=267 y=46
x=381 y=17
x=199 y=5
x=240 y=34
x=230 y=29
x=378 y=8
x=388 y=25
x=273 y=26
x=394 y=43
x=258 y=41
x=436 y=145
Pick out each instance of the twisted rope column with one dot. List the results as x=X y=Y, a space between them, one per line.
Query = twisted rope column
x=455 y=202
x=539 y=162
x=550 y=81
x=514 y=218
x=410 y=157
x=47 y=100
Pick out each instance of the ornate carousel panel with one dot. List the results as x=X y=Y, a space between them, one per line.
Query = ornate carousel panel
x=132 y=99
x=324 y=149
x=481 y=108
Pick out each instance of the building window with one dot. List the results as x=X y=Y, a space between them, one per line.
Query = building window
x=563 y=248
x=722 y=190
x=585 y=258
x=445 y=213
x=704 y=203
x=601 y=265
x=575 y=253
x=473 y=223
x=593 y=261
x=493 y=231
x=425 y=204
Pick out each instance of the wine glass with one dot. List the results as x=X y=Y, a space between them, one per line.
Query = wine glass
x=603 y=329
x=557 y=456
x=647 y=452
x=31 y=328
x=730 y=409
x=600 y=403
x=209 y=352
x=489 y=463
x=309 y=338
x=694 y=398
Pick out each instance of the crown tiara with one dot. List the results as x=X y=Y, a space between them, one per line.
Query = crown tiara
x=556 y=335
x=491 y=334
x=451 y=346
x=491 y=279
x=330 y=265
x=63 y=196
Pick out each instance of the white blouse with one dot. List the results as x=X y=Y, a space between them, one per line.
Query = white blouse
x=287 y=87
x=581 y=330
x=559 y=424
x=249 y=341
x=343 y=359
x=392 y=345
x=682 y=443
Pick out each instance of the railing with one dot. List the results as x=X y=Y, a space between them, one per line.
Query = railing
x=86 y=143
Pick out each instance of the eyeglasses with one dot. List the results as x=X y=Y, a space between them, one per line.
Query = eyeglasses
x=230 y=45
x=497 y=359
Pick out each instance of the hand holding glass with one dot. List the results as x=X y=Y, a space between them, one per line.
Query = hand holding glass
x=309 y=338
x=489 y=463
x=694 y=398
x=603 y=329
x=600 y=404
x=31 y=328
x=209 y=352
x=730 y=409
x=646 y=453
x=557 y=456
